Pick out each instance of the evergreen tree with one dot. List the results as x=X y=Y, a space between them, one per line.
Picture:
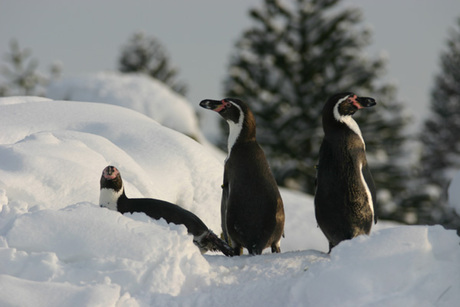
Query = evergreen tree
x=296 y=55
x=21 y=75
x=441 y=154
x=146 y=55
x=440 y=136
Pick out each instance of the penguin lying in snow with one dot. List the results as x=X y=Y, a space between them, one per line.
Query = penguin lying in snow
x=112 y=196
x=251 y=209
x=345 y=192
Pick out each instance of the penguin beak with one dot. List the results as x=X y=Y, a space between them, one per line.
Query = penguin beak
x=364 y=102
x=110 y=172
x=215 y=105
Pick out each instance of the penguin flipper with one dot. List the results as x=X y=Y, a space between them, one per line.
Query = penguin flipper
x=223 y=208
x=210 y=241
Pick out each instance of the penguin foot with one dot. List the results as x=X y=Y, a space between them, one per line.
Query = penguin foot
x=276 y=247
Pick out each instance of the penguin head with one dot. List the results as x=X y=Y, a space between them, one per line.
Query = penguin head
x=238 y=115
x=346 y=104
x=111 y=187
x=231 y=109
x=338 y=111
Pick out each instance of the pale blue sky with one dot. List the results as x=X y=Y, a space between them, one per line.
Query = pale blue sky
x=86 y=36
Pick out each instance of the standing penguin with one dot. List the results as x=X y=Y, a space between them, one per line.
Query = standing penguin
x=112 y=196
x=345 y=192
x=251 y=209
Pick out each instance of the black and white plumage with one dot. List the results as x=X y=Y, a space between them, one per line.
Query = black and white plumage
x=345 y=192
x=112 y=196
x=252 y=210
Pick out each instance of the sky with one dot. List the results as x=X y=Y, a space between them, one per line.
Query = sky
x=86 y=36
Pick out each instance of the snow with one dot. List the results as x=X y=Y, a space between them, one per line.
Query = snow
x=454 y=193
x=59 y=248
x=134 y=91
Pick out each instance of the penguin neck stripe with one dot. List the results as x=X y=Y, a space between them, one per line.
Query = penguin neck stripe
x=108 y=198
x=235 y=129
x=337 y=114
x=347 y=120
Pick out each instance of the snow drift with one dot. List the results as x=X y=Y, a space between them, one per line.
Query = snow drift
x=59 y=248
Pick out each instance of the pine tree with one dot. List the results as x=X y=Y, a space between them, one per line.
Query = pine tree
x=440 y=135
x=146 y=55
x=441 y=154
x=21 y=75
x=288 y=63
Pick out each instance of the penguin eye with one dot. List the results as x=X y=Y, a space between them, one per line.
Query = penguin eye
x=351 y=99
x=227 y=104
x=347 y=107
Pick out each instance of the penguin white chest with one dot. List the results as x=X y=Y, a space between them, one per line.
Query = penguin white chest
x=235 y=130
x=108 y=198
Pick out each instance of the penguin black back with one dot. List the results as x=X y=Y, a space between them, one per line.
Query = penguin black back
x=251 y=207
x=345 y=192
x=112 y=196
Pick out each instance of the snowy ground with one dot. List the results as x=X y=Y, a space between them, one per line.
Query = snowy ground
x=59 y=248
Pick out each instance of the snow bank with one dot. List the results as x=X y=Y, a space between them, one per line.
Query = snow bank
x=59 y=248
x=134 y=91
x=404 y=266
x=82 y=242
x=54 y=236
x=55 y=151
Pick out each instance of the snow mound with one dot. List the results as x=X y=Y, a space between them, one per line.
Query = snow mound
x=403 y=266
x=134 y=91
x=109 y=247
x=21 y=99
x=53 y=153
x=59 y=248
x=53 y=235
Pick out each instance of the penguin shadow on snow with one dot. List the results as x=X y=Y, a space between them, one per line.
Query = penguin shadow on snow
x=113 y=197
x=252 y=212
x=345 y=192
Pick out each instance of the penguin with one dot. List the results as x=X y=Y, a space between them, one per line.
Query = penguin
x=345 y=192
x=252 y=212
x=113 y=197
